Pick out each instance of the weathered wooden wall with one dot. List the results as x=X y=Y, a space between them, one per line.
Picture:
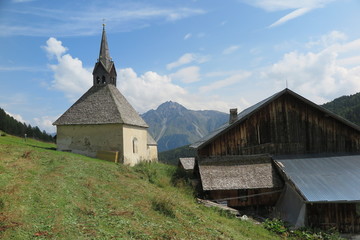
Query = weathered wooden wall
x=345 y=217
x=249 y=200
x=285 y=126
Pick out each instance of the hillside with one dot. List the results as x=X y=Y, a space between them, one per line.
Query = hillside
x=47 y=194
x=346 y=106
x=172 y=156
x=173 y=126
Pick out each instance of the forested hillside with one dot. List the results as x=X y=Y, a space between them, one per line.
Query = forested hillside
x=11 y=126
x=346 y=106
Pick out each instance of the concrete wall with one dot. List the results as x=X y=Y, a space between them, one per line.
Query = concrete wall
x=88 y=139
x=138 y=135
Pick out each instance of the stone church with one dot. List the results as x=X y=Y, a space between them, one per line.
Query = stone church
x=102 y=120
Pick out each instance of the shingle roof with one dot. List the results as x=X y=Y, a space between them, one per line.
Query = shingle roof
x=187 y=163
x=101 y=105
x=253 y=109
x=325 y=179
x=238 y=172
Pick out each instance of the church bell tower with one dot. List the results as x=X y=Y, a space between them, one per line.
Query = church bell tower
x=104 y=70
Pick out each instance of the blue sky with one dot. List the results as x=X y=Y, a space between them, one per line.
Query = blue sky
x=203 y=54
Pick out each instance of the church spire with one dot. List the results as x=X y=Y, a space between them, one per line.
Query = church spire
x=104 y=55
x=104 y=70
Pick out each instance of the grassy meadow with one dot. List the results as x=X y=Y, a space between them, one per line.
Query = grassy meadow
x=46 y=194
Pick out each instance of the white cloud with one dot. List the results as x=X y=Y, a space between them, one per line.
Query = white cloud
x=187 y=75
x=186 y=59
x=319 y=76
x=149 y=90
x=45 y=123
x=301 y=7
x=187 y=36
x=54 y=48
x=231 y=49
x=17 y=117
x=81 y=20
x=225 y=82
x=332 y=38
x=70 y=76
x=294 y=14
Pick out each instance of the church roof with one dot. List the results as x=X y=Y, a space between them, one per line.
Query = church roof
x=102 y=104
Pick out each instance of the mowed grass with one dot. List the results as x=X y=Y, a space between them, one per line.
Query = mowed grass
x=46 y=194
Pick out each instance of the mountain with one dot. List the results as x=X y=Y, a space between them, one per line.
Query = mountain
x=172 y=125
x=346 y=106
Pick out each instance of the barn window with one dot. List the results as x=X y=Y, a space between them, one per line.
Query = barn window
x=97 y=80
x=103 y=80
x=135 y=145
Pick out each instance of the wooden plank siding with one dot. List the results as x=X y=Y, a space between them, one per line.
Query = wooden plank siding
x=255 y=197
x=285 y=126
x=345 y=217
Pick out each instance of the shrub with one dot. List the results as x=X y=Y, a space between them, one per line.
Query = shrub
x=164 y=205
x=279 y=227
x=275 y=225
x=147 y=170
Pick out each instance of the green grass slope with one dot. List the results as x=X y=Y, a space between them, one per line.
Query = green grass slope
x=45 y=194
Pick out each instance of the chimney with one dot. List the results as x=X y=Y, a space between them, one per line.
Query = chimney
x=233 y=115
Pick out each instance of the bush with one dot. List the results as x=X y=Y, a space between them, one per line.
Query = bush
x=164 y=205
x=147 y=170
x=275 y=225
x=279 y=227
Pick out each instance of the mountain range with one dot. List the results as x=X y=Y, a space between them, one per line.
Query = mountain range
x=172 y=125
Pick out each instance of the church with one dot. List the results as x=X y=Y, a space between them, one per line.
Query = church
x=103 y=121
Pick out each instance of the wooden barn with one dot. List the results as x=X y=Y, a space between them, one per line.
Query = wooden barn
x=287 y=126
x=232 y=179
x=285 y=123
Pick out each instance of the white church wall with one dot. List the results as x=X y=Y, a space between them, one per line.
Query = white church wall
x=88 y=139
x=135 y=145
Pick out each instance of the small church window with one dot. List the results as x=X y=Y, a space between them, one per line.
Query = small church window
x=97 y=80
x=135 y=145
x=103 y=80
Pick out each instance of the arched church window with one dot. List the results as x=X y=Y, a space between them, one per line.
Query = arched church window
x=97 y=80
x=135 y=145
x=103 y=80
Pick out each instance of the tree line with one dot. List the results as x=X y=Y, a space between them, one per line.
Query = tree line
x=346 y=106
x=11 y=126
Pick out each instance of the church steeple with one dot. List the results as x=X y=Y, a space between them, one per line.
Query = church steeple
x=104 y=70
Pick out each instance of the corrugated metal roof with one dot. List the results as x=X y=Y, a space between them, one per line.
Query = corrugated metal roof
x=251 y=110
x=325 y=179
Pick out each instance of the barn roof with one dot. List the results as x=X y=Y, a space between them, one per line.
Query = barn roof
x=324 y=179
x=238 y=172
x=187 y=163
x=255 y=108
x=102 y=104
